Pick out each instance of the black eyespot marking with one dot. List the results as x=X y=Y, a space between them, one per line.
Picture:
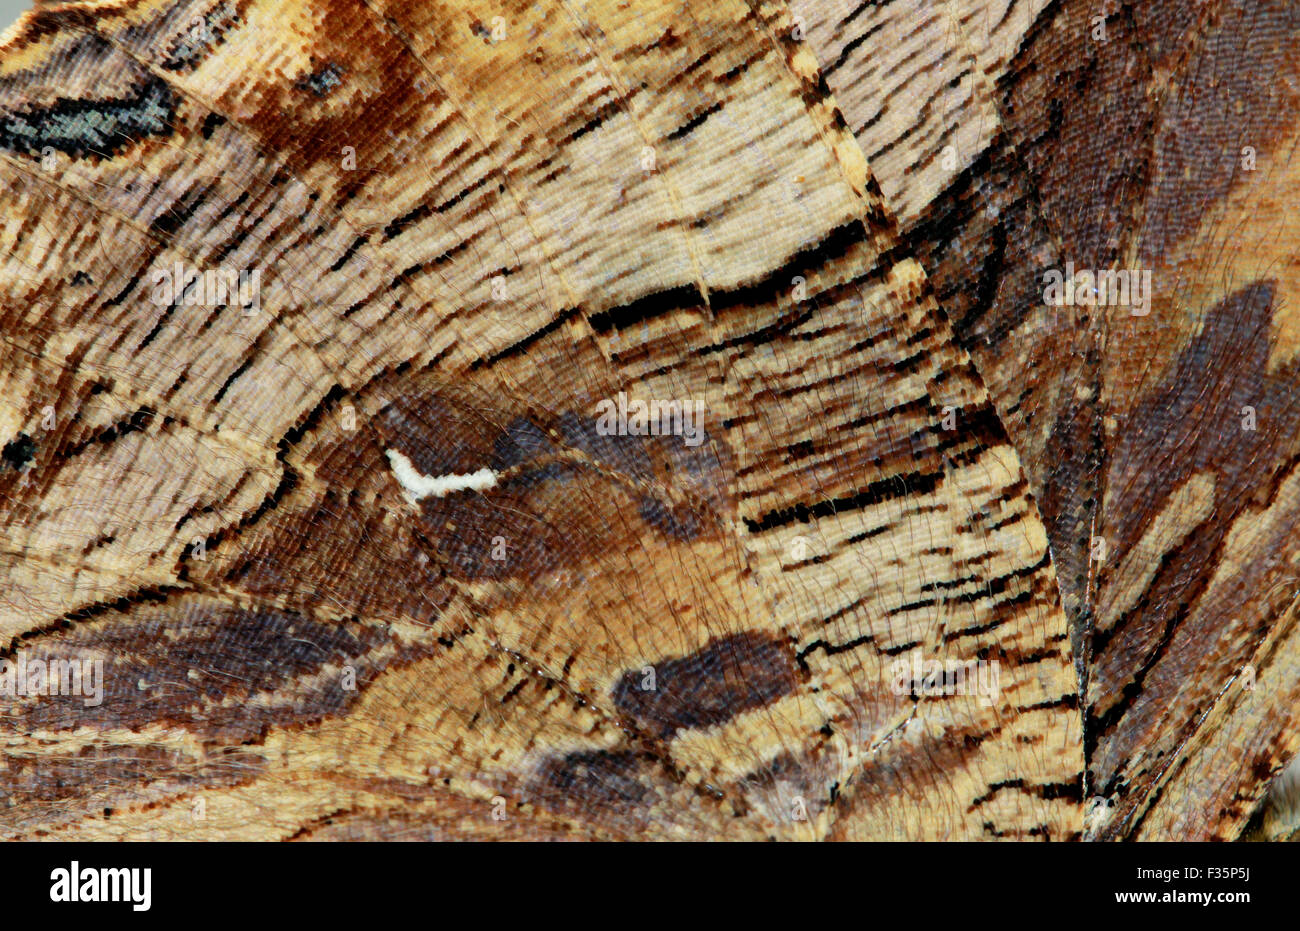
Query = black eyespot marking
x=19 y=452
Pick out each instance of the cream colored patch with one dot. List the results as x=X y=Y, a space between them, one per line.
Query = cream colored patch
x=1186 y=509
x=1097 y=815
x=417 y=485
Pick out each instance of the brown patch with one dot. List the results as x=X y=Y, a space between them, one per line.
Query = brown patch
x=711 y=686
x=1068 y=85
x=593 y=778
x=189 y=664
x=560 y=481
x=1239 y=91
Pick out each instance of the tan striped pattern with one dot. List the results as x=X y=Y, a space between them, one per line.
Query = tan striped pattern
x=1162 y=449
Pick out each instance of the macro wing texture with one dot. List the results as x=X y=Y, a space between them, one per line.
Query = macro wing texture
x=518 y=426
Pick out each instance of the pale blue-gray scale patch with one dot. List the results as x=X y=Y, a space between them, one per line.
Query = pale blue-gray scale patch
x=81 y=127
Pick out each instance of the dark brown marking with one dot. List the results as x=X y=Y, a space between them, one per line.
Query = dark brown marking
x=711 y=686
